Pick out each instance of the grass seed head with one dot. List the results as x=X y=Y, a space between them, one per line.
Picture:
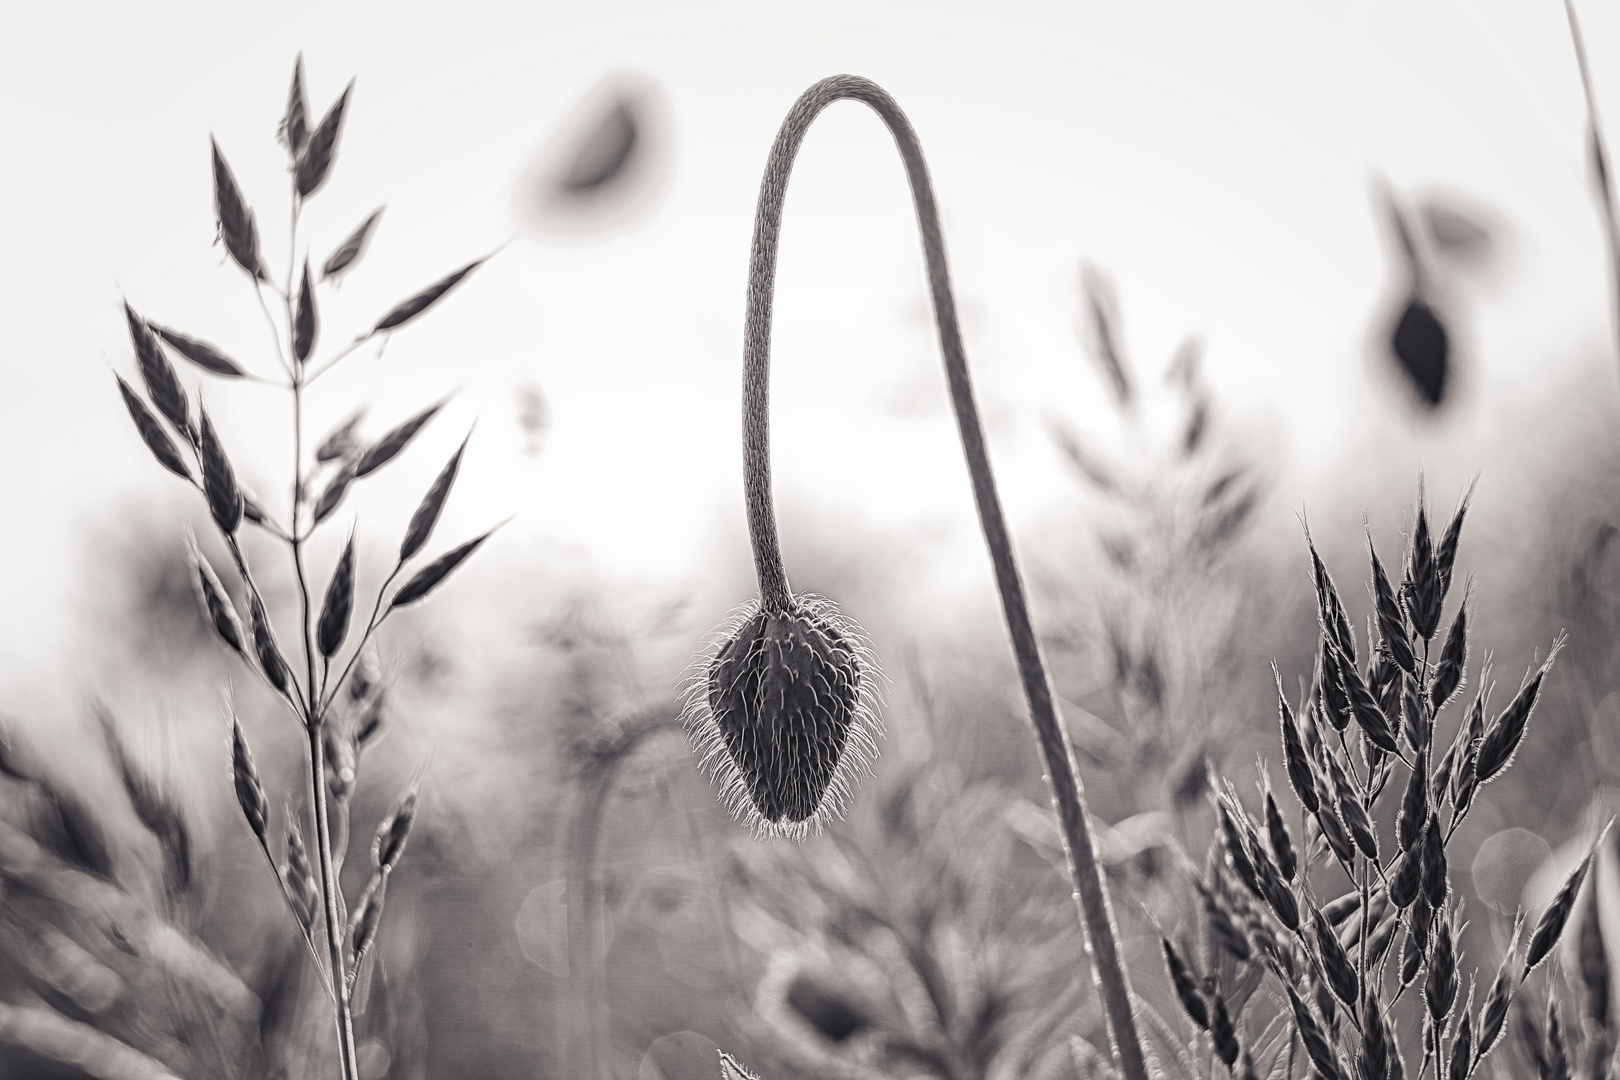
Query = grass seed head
x=1434 y=863
x=1186 y=988
x=215 y=601
x=1414 y=804
x=1551 y=925
x=1462 y=1047
x=1594 y=965
x=271 y=662
x=249 y=788
x=1392 y=629
x=1295 y=759
x=1440 y=989
x=784 y=714
x=1449 y=674
x=1224 y=1033
x=1422 y=585
x=1282 y=845
x=219 y=480
x=1407 y=880
x=1502 y=740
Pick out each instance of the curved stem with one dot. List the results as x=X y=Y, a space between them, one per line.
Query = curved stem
x=1091 y=891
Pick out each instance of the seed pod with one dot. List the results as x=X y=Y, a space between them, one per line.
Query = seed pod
x=1364 y=707
x=1329 y=608
x=353 y=246
x=342 y=762
x=1317 y=1047
x=1386 y=682
x=162 y=384
x=427 y=513
x=1300 y=777
x=367 y=918
x=293 y=131
x=1187 y=993
x=264 y=645
x=1502 y=740
x=331 y=496
x=1421 y=921
x=416 y=305
x=1236 y=850
x=1336 y=965
x=316 y=160
x=249 y=788
x=1223 y=1033
x=235 y=219
x=1462 y=1048
x=204 y=355
x=1493 y=1014
x=1222 y=929
x=392 y=834
x=1448 y=676
x=306 y=321
x=1445 y=556
x=1411 y=958
x=784 y=714
x=388 y=447
x=1353 y=814
x=219 y=481
x=1551 y=926
x=151 y=431
x=1334 y=832
x=301 y=887
x=430 y=576
x=338 y=606
x=1414 y=717
x=216 y=602
x=1414 y=804
x=1391 y=619
x=1440 y=989
x=1326 y=1005
x=1434 y=864
x=1374 y=1061
x=1405 y=882
x=1282 y=846
x=1423 y=574
x=1334 y=702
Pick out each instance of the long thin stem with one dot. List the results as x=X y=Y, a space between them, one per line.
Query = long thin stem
x=314 y=711
x=1091 y=891
x=1602 y=179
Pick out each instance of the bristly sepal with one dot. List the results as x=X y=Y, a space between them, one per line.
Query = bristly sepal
x=782 y=706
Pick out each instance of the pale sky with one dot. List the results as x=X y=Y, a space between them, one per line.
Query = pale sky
x=1215 y=159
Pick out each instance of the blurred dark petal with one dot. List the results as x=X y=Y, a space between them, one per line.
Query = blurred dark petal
x=1459 y=234
x=1422 y=349
x=606 y=167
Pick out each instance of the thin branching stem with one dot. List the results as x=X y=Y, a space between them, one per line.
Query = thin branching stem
x=1091 y=890
x=314 y=713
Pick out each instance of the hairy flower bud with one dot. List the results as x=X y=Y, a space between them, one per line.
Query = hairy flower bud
x=784 y=713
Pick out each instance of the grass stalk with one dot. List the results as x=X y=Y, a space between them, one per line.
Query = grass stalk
x=1091 y=890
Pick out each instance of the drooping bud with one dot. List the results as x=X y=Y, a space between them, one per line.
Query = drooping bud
x=785 y=714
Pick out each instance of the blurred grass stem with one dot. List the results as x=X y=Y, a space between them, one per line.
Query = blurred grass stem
x=1602 y=177
x=1091 y=891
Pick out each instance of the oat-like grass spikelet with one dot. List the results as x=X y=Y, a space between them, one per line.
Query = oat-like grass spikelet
x=782 y=708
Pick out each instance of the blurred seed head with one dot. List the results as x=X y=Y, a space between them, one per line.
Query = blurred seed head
x=783 y=708
x=607 y=166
